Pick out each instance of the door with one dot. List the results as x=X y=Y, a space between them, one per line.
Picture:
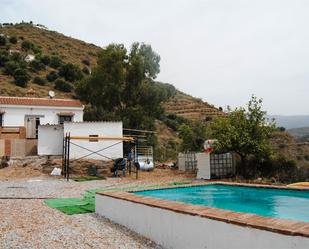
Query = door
x=32 y=124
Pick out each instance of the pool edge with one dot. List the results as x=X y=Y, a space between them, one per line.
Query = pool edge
x=276 y=225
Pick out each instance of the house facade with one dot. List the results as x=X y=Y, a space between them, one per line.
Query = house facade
x=20 y=118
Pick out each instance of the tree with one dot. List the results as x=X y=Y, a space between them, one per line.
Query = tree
x=52 y=76
x=39 y=81
x=193 y=136
x=2 y=40
x=26 y=45
x=36 y=65
x=13 y=39
x=21 y=77
x=55 y=62
x=4 y=57
x=63 y=86
x=10 y=67
x=45 y=60
x=244 y=131
x=122 y=86
x=70 y=72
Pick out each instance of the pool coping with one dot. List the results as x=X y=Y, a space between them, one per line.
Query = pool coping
x=277 y=225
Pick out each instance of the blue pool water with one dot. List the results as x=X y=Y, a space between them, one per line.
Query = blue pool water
x=288 y=204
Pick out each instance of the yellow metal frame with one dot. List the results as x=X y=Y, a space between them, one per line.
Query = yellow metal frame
x=102 y=138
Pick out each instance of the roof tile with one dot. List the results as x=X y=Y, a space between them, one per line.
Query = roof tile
x=39 y=101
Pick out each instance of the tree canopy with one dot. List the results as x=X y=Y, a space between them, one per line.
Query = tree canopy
x=245 y=131
x=122 y=86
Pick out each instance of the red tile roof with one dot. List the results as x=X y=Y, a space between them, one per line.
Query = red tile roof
x=4 y=100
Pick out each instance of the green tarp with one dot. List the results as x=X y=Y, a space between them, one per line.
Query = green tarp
x=86 y=204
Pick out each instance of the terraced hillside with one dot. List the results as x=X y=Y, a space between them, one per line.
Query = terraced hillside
x=46 y=43
x=191 y=108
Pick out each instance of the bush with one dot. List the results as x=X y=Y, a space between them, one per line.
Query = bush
x=52 y=76
x=39 y=81
x=45 y=60
x=21 y=77
x=26 y=45
x=36 y=50
x=17 y=57
x=36 y=65
x=70 y=72
x=86 y=70
x=55 y=62
x=2 y=40
x=4 y=57
x=13 y=39
x=10 y=67
x=62 y=85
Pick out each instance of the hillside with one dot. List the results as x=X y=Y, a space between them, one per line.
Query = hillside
x=70 y=50
x=192 y=108
x=47 y=43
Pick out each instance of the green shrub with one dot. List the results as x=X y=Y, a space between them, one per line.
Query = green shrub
x=36 y=65
x=13 y=39
x=10 y=67
x=26 y=45
x=70 y=72
x=39 y=81
x=36 y=50
x=4 y=57
x=45 y=60
x=62 y=85
x=2 y=40
x=55 y=62
x=21 y=77
x=52 y=76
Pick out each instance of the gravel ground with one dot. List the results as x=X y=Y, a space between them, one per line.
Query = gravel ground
x=29 y=223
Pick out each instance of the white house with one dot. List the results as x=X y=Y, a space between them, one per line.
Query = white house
x=31 y=112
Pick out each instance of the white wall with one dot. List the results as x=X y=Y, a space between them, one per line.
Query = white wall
x=15 y=115
x=176 y=230
x=50 y=140
x=102 y=129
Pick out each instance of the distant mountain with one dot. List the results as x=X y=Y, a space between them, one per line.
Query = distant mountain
x=290 y=122
x=301 y=134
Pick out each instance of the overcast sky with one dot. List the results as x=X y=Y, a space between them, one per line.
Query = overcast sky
x=222 y=51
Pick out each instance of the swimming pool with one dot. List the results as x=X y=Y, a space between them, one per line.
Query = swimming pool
x=279 y=203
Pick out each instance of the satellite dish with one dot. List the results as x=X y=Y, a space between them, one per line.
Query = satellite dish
x=51 y=94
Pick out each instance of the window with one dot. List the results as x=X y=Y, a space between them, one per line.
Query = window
x=64 y=118
x=1 y=119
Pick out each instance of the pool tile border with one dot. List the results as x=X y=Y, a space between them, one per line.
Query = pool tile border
x=277 y=225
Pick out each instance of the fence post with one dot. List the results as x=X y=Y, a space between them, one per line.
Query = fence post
x=68 y=159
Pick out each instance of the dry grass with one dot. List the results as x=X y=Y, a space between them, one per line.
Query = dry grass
x=51 y=43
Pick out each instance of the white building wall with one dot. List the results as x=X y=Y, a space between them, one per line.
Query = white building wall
x=102 y=129
x=50 y=140
x=15 y=115
x=181 y=231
